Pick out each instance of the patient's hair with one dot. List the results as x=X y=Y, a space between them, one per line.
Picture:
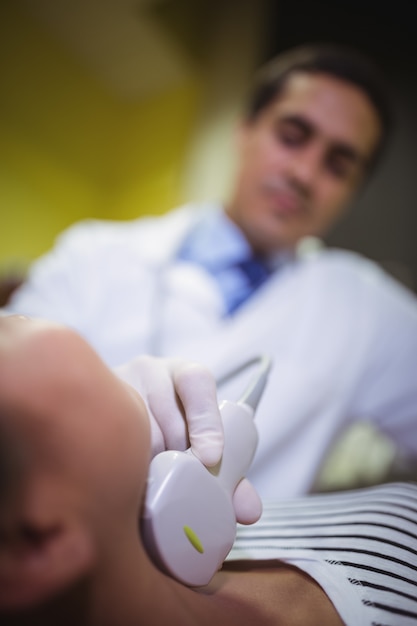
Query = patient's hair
x=335 y=60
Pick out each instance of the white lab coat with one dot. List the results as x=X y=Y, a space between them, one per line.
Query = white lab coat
x=341 y=333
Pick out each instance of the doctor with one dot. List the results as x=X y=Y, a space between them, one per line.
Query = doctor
x=342 y=334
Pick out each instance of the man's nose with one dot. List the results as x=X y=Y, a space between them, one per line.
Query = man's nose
x=304 y=167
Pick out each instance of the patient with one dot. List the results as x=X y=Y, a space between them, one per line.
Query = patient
x=75 y=444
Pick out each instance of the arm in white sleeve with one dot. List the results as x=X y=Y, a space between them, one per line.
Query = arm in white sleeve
x=387 y=392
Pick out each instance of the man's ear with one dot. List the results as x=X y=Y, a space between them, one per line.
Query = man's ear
x=243 y=137
x=240 y=132
x=38 y=560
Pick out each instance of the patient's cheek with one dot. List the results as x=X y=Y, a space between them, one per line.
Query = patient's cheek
x=140 y=435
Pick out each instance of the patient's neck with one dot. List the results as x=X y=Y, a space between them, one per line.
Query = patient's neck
x=129 y=590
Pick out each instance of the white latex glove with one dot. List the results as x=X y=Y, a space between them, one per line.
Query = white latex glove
x=183 y=410
x=181 y=400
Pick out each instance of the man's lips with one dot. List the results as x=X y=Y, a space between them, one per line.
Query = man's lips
x=285 y=201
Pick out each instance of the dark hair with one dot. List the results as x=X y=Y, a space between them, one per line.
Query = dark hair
x=339 y=61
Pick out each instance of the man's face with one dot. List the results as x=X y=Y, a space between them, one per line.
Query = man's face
x=301 y=160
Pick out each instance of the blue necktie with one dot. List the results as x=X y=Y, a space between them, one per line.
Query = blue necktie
x=254 y=273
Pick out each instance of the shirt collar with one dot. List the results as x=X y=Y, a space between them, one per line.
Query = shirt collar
x=216 y=242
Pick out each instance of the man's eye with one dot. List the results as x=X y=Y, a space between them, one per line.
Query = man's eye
x=291 y=136
x=339 y=167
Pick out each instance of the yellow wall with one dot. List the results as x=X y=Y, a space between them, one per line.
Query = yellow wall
x=69 y=149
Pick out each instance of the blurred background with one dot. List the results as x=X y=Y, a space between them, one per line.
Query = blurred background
x=119 y=108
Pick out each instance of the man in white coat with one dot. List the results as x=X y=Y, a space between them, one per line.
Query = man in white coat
x=341 y=333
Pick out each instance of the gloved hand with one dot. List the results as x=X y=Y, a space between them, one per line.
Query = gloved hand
x=183 y=409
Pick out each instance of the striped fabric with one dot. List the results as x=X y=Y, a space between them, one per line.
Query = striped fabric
x=360 y=546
